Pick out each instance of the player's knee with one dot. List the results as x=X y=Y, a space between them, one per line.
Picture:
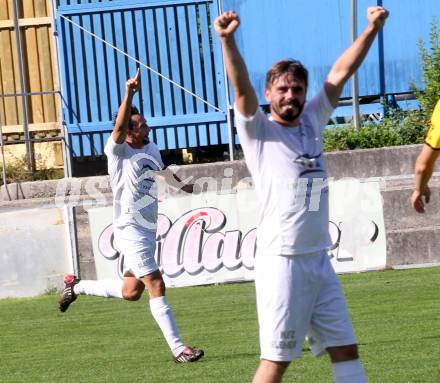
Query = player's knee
x=274 y=368
x=156 y=288
x=343 y=353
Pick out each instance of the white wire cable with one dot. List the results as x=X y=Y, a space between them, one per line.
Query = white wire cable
x=142 y=64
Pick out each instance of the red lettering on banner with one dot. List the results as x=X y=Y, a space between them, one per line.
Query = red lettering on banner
x=105 y=244
x=248 y=249
x=212 y=253
x=181 y=248
x=194 y=242
x=231 y=250
x=192 y=262
x=222 y=249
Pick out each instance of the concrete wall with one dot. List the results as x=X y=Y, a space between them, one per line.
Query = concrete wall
x=411 y=237
x=34 y=251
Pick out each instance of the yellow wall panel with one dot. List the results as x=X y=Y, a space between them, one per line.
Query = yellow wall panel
x=38 y=58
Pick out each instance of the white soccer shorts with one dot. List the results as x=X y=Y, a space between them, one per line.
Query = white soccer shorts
x=138 y=248
x=299 y=296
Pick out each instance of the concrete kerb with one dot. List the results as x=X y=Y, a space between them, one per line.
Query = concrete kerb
x=220 y=176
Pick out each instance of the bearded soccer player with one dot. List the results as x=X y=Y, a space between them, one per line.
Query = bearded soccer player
x=298 y=293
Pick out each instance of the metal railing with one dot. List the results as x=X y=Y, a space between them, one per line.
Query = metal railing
x=28 y=140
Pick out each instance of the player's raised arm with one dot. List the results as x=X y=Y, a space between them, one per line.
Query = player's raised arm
x=245 y=98
x=121 y=124
x=425 y=163
x=423 y=171
x=351 y=59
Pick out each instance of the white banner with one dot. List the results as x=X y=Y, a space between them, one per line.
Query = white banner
x=210 y=237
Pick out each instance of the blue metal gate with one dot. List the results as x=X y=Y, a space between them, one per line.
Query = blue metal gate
x=173 y=38
x=318 y=31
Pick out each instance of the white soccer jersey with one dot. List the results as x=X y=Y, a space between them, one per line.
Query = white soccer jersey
x=290 y=176
x=134 y=186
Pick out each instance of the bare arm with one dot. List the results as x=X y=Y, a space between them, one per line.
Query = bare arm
x=244 y=94
x=354 y=55
x=172 y=179
x=120 y=129
x=424 y=167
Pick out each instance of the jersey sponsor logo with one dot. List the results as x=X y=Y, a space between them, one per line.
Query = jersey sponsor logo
x=309 y=164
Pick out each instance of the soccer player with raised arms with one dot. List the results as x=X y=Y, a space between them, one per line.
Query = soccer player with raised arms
x=298 y=293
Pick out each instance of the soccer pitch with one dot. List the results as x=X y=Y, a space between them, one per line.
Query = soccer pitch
x=396 y=315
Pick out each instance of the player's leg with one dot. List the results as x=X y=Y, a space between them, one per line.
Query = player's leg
x=139 y=260
x=164 y=317
x=343 y=353
x=74 y=286
x=132 y=288
x=270 y=372
x=332 y=331
x=285 y=301
x=346 y=364
x=142 y=268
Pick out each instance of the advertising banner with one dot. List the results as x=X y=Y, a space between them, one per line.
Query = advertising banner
x=211 y=237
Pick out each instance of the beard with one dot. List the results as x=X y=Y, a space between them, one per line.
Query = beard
x=290 y=115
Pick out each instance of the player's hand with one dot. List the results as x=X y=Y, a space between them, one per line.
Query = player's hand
x=377 y=16
x=133 y=84
x=188 y=188
x=226 y=24
x=417 y=199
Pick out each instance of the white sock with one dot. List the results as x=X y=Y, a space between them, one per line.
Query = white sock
x=101 y=288
x=350 y=371
x=164 y=317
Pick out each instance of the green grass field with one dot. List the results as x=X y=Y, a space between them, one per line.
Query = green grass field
x=396 y=315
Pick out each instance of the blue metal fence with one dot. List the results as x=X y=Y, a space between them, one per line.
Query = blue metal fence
x=171 y=37
x=317 y=32
x=175 y=38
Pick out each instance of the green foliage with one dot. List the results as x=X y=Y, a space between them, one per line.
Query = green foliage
x=397 y=127
x=430 y=65
x=17 y=171
x=410 y=126
x=368 y=136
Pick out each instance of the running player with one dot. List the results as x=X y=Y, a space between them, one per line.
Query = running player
x=132 y=162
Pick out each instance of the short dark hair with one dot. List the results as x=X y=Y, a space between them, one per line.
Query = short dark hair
x=133 y=111
x=294 y=67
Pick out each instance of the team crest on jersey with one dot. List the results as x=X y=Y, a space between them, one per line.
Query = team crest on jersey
x=309 y=163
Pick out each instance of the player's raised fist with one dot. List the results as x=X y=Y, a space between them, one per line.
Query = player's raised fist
x=133 y=84
x=226 y=24
x=377 y=16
